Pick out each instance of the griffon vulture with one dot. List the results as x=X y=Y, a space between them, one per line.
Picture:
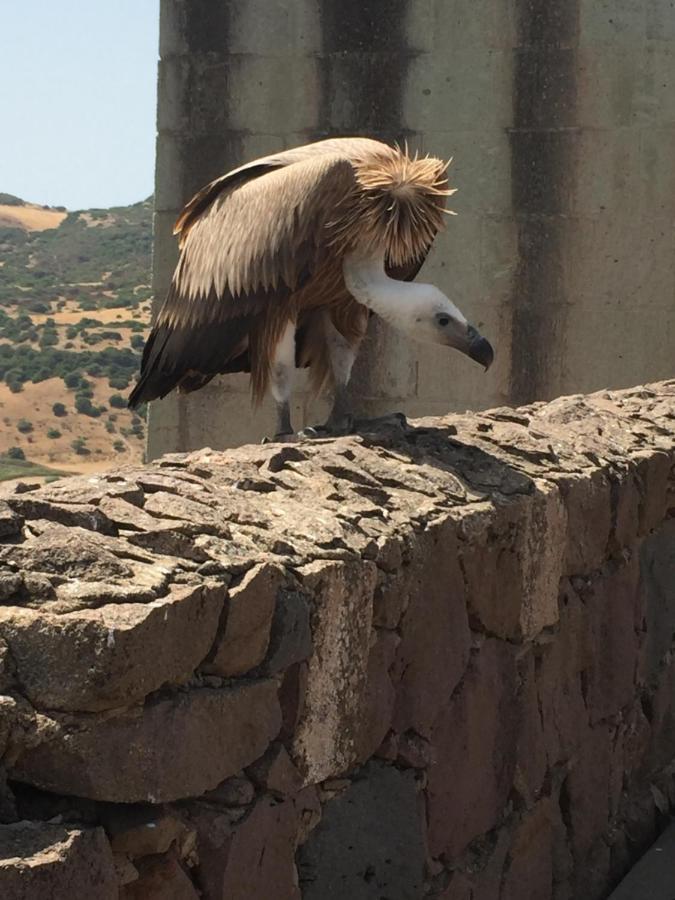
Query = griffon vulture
x=283 y=260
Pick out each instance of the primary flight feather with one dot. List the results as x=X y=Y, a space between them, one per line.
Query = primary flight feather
x=282 y=261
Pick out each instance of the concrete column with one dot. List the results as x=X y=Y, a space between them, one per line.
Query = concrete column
x=561 y=120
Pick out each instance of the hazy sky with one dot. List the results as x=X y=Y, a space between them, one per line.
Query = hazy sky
x=77 y=100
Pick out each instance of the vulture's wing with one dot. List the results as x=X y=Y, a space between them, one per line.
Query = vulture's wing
x=247 y=240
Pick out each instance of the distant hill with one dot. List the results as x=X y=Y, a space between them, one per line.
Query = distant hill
x=74 y=310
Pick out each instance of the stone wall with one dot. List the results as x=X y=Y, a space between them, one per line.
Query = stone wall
x=561 y=121
x=431 y=663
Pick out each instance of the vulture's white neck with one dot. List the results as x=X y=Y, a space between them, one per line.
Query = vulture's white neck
x=367 y=282
x=421 y=310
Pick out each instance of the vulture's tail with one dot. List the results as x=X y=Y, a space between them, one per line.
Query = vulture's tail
x=189 y=357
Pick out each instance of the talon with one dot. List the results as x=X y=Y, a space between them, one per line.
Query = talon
x=311 y=431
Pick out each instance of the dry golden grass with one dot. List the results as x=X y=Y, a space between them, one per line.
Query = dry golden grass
x=35 y=402
x=73 y=316
x=30 y=217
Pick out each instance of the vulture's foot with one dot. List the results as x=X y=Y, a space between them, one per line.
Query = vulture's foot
x=284 y=438
x=349 y=425
x=333 y=427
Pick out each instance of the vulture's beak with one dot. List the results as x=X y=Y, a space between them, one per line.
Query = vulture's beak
x=479 y=349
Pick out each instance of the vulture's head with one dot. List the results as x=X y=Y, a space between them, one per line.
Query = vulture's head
x=430 y=316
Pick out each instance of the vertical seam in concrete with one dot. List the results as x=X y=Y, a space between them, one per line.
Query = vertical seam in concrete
x=365 y=60
x=543 y=150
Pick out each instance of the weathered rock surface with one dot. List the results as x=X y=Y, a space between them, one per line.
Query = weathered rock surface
x=250 y=609
x=434 y=663
x=369 y=842
x=173 y=747
x=40 y=860
x=96 y=659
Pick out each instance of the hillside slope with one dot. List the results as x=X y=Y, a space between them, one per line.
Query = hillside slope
x=74 y=310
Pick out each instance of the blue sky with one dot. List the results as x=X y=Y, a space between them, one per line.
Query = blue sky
x=77 y=100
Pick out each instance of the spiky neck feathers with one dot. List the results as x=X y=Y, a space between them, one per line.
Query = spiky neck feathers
x=398 y=205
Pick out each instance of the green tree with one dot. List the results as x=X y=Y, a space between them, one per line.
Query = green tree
x=15 y=453
x=24 y=426
x=59 y=410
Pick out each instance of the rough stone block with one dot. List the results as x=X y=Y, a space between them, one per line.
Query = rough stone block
x=390 y=599
x=275 y=772
x=140 y=831
x=559 y=666
x=251 y=858
x=369 y=843
x=250 y=608
x=662 y=718
x=481 y=877
x=512 y=561
x=342 y=611
x=653 y=470
x=222 y=730
x=160 y=878
x=435 y=637
x=292 y=698
x=657 y=585
x=42 y=860
x=474 y=752
x=589 y=514
x=530 y=872
x=291 y=636
x=586 y=793
x=378 y=702
x=531 y=761
x=235 y=791
x=98 y=659
x=612 y=601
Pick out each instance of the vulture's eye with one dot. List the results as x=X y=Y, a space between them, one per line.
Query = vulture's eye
x=443 y=320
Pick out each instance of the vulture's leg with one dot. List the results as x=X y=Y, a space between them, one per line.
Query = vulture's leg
x=342 y=354
x=281 y=383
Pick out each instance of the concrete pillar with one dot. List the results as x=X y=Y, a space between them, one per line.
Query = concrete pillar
x=561 y=120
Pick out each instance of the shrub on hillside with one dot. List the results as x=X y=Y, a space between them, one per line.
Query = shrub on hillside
x=41 y=375
x=119 y=446
x=48 y=339
x=117 y=401
x=24 y=426
x=14 y=381
x=59 y=410
x=53 y=433
x=72 y=380
x=84 y=406
x=79 y=445
x=119 y=381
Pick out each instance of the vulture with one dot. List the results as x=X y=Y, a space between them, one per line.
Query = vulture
x=283 y=260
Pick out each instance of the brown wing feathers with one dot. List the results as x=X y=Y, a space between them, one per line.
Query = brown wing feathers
x=244 y=252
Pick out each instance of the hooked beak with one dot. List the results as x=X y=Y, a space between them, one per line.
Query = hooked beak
x=479 y=349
